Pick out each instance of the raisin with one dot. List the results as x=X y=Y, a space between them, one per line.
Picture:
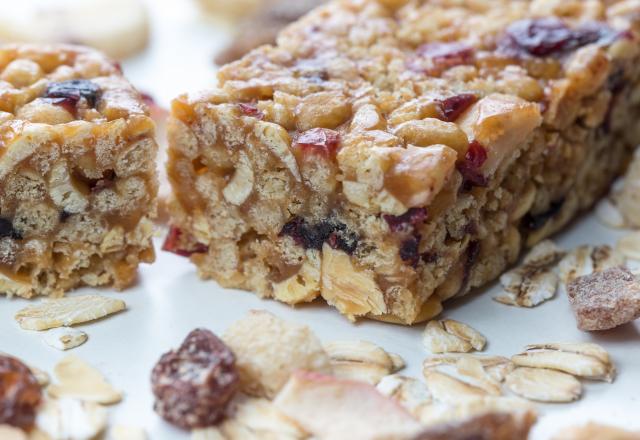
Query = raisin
x=407 y=221
x=409 y=250
x=319 y=140
x=470 y=168
x=251 y=110
x=73 y=90
x=550 y=36
x=473 y=251
x=194 y=384
x=20 y=393
x=7 y=230
x=173 y=244
x=454 y=106
x=534 y=222
x=313 y=236
x=429 y=257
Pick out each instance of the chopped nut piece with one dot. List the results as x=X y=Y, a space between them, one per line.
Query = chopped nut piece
x=79 y=380
x=361 y=360
x=604 y=300
x=64 y=338
x=580 y=359
x=124 y=432
x=451 y=336
x=629 y=246
x=50 y=313
x=327 y=407
x=269 y=349
x=543 y=385
x=587 y=259
x=68 y=418
x=535 y=281
x=592 y=431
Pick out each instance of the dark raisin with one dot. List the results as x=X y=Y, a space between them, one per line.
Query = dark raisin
x=20 y=393
x=74 y=90
x=313 y=236
x=475 y=157
x=174 y=243
x=251 y=110
x=454 y=106
x=409 y=250
x=320 y=140
x=429 y=257
x=194 y=384
x=534 y=222
x=406 y=222
x=473 y=251
x=7 y=230
x=63 y=216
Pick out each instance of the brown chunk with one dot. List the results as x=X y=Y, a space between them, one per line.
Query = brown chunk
x=604 y=300
x=20 y=393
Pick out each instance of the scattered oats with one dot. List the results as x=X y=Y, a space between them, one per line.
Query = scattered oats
x=68 y=418
x=448 y=336
x=408 y=391
x=609 y=215
x=361 y=360
x=449 y=389
x=79 y=380
x=496 y=367
x=535 y=280
x=8 y=432
x=125 y=432
x=543 y=385
x=397 y=362
x=64 y=338
x=586 y=360
x=473 y=372
x=587 y=259
x=268 y=349
x=604 y=300
x=629 y=245
x=50 y=313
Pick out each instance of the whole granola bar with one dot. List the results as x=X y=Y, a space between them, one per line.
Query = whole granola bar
x=388 y=155
x=77 y=173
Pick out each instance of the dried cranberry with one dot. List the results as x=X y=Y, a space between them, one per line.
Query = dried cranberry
x=173 y=244
x=441 y=56
x=7 y=230
x=407 y=221
x=321 y=140
x=454 y=106
x=470 y=168
x=74 y=90
x=20 y=393
x=534 y=222
x=550 y=36
x=313 y=236
x=194 y=384
x=251 y=110
x=69 y=104
x=409 y=250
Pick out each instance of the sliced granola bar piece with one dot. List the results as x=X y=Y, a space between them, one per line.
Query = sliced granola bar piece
x=604 y=300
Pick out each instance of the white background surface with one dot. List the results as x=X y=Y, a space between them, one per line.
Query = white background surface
x=169 y=300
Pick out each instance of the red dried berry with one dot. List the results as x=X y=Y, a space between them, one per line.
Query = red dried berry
x=409 y=252
x=454 y=106
x=69 y=104
x=20 y=393
x=470 y=168
x=74 y=90
x=319 y=140
x=194 y=384
x=407 y=221
x=441 y=56
x=251 y=110
x=173 y=243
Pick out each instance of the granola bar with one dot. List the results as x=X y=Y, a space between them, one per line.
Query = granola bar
x=77 y=172
x=389 y=155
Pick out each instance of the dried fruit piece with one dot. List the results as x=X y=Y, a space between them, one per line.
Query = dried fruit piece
x=269 y=349
x=314 y=235
x=543 y=385
x=50 y=313
x=79 y=380
x=449 y=335
x=604 y=300
x=586 y=360
x=588 y=259
x=360 y=360
x=194 y=384
x=327 y=407
x=75 y=419
x=64 y=338
x=20 y=393
x=475 y=157
x=175 y=243
x=534 y=281
x=318 y=140
x=406 y=222
x=74 y=89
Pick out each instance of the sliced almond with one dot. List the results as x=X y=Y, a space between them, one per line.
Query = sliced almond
x=629 y=246
x=125 y=432
x=79 y=380
x=586 y=259
x=543 y=385
x=448 y=336
x=580 y=359
x=68 y=418
x=64 y=338
x=50 y=313
x=534 y=281
x=408 y=391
